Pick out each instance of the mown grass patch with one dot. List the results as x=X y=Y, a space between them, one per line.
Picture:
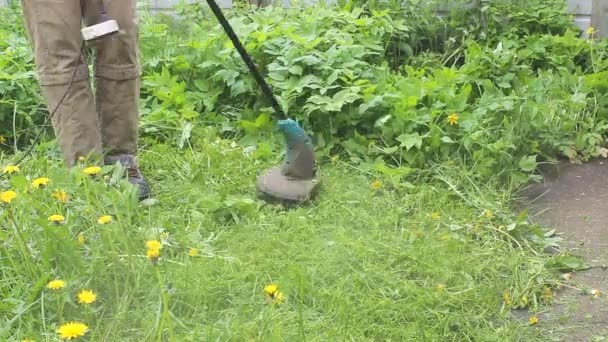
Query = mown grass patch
x=398 y=260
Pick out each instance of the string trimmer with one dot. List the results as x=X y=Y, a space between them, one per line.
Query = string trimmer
x=298 y=178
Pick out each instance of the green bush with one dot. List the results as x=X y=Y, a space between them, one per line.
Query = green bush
x=336 y=70
x=20 y=103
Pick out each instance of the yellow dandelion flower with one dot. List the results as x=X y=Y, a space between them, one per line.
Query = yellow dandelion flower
x=271 y=289
x=273 y=295
x=56 y=218
x=435 y=216
x=153 y=244
x=104 y=219
x=153 y=254
x=61 y=196
x=440 y=288
x=81 y=239
x=2 y=139
x=193 y=252
x=40 y=182
x=453 y=119
x=489 y=214
x=86 y=297
x=72 y=330
x=376 y=185
x=92 y=170
x=56 y=284
x=533 y=320
x=7 y=196
x=507 y=297
x=10 y=169
x=591 y=30
x=596 y=293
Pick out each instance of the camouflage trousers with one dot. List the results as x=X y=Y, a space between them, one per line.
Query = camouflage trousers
x=97 y=118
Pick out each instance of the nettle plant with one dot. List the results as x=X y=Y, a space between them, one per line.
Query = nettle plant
x=317 y=61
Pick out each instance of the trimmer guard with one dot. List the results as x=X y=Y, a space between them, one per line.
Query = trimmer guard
x=279 y=186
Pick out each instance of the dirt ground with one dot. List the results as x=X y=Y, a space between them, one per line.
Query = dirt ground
x=573 y=199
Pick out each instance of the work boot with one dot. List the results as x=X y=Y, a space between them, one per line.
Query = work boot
x=134 y=175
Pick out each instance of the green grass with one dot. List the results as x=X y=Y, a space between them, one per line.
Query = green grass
x=418 y=259
x=355 y=264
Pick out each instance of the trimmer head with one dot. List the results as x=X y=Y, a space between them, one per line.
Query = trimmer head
x=298 y=179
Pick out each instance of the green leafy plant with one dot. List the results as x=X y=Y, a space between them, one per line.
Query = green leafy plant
x=21 y=105
x=342 y=73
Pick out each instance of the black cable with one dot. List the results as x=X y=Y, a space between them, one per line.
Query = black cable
x=36 y=139
x=245 y=56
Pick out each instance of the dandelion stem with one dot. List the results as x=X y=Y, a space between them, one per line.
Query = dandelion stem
x=59 y=308
x=166 y=315
x=21 y=243
x=42 y=312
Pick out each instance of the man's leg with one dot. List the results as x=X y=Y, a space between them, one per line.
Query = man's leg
x=117 y=89
x=54 y=29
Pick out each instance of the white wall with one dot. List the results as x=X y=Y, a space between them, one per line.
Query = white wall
x=581 y=10
x=167 y=5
